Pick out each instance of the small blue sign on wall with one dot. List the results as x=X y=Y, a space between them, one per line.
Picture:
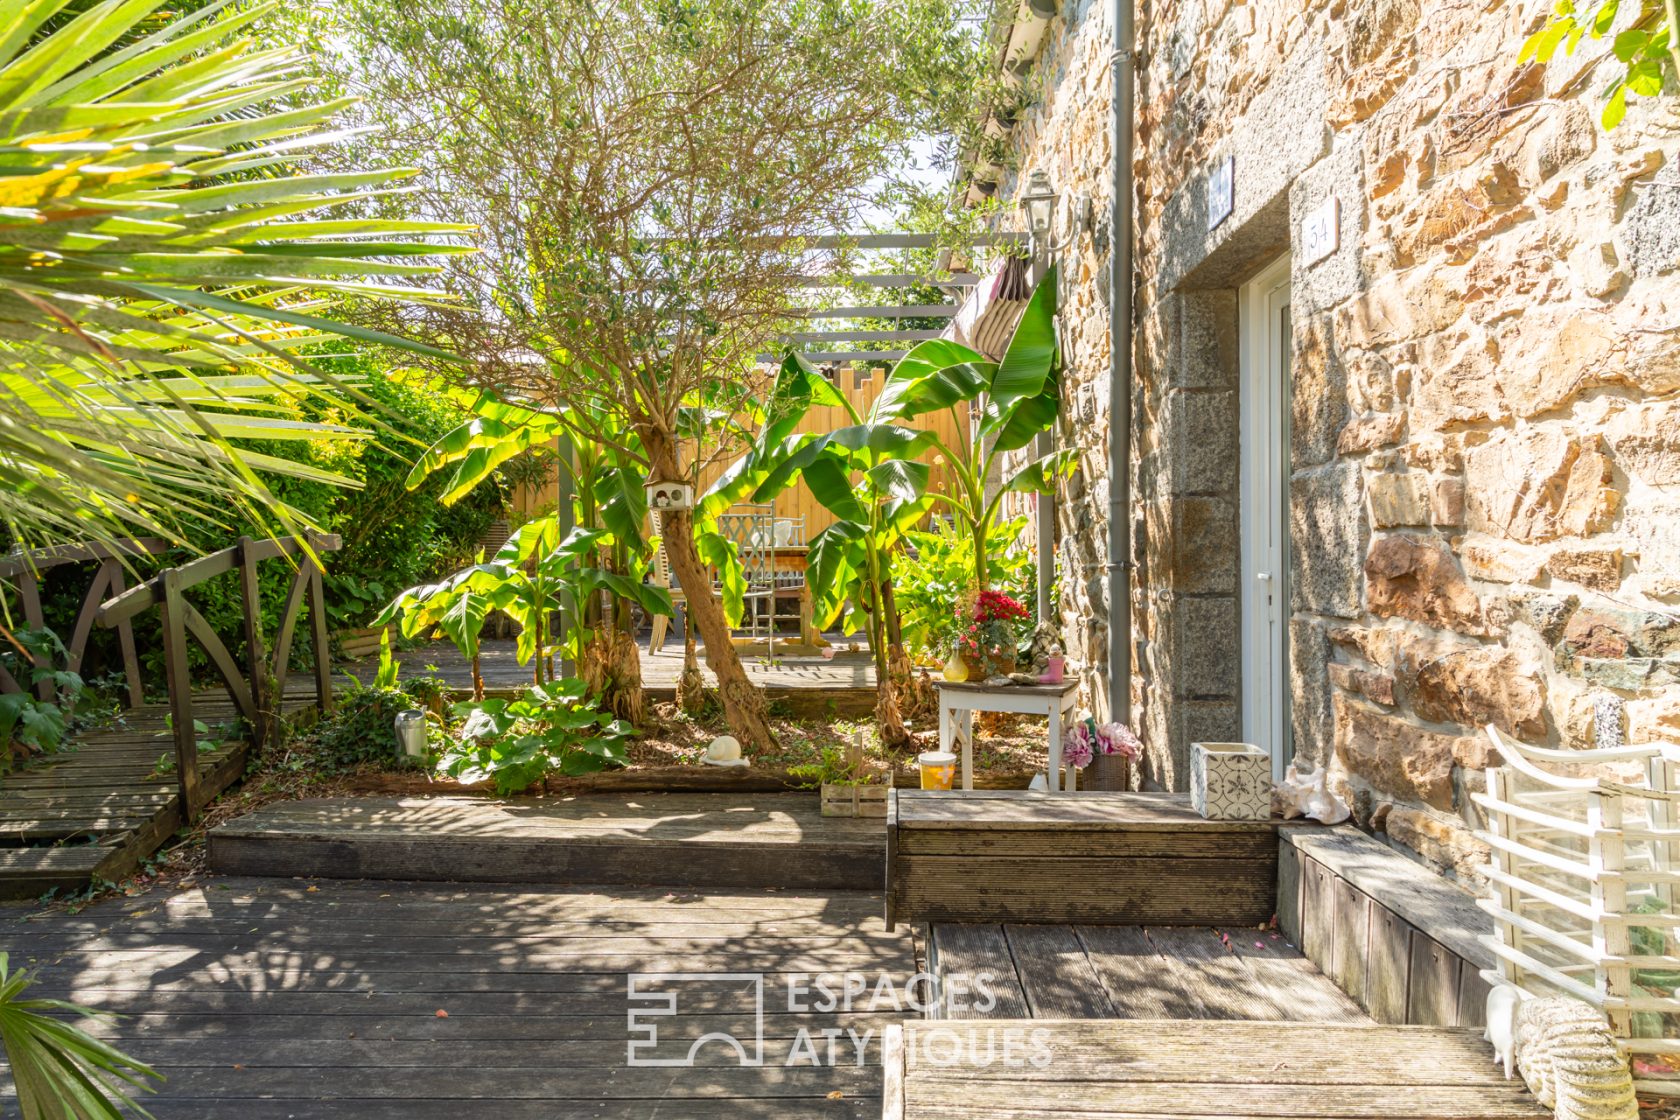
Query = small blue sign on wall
x=1221 y=191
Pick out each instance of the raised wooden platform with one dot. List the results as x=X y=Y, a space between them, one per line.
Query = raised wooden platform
x=1131 y=972
x=1101 y=858
x=99 y=808
x=803 y=686
x=689 y=840
x=272 y=999
x=1193 y=1070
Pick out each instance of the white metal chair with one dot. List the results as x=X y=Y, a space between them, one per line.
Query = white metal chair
x=1582 y=881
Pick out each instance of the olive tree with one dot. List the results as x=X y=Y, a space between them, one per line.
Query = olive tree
x=647 y=178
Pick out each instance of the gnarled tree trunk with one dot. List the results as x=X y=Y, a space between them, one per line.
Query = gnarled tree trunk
x=743 y=703
x=691 y=685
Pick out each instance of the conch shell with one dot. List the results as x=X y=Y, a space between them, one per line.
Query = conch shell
x=1308 y=795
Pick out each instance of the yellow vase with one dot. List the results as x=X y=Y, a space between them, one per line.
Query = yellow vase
x=956 y=669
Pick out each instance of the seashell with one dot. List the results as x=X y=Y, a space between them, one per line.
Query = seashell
x=1308 y=795
x=1570 y=1062
x=1289 y=797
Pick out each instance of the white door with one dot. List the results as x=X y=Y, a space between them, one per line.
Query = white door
x=1264 y=590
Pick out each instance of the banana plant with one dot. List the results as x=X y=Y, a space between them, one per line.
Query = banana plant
x=530 y=579
x=1018 y=398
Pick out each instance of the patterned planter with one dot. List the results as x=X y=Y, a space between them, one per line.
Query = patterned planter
x=1230 y=781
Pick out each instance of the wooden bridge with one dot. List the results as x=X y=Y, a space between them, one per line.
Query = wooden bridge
x=101 y=806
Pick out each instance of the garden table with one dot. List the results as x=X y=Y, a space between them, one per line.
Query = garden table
x=957 y=702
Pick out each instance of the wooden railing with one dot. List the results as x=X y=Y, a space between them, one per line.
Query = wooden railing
x=25 y=570
x=258 y=689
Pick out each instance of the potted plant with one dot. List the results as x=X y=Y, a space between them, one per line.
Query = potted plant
x=989 y=634
x=848 y=786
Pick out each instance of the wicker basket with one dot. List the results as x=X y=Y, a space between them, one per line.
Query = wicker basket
x=1109 y=772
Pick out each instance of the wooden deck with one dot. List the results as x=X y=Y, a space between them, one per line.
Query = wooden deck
x=686 y=839
x=271 y=999
x=1021 y=856
x=810 y=684
x=1135 y=972
x=99 y=808
x=1194 y=1070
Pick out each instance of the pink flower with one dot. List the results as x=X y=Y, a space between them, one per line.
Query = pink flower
x=1078 y=744
x=1117 y=738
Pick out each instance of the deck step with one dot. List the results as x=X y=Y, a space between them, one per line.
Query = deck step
x=679 y=840
x=1056 y=858
x=27 y=872
x=1146 y=1068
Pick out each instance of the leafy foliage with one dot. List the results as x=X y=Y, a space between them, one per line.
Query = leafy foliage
x=162 y=268
x=1648 y=50
x=361 y=728
x=552 y=729
x=60 y=1071
x=943 y=572
x=29 y=725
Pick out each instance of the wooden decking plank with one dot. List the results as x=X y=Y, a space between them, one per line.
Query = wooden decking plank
x=1140 y=981
x=976 y=951
x=1096 y=1070
x=1291 y=982
x=1216 y=978
x=1056 y=974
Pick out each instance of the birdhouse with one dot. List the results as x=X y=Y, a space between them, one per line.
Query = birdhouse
x=669 y=495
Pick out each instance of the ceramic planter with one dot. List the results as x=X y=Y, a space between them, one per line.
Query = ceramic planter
x=1230 y=781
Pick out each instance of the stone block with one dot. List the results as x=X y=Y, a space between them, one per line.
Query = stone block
x=1309 y=691
x=1612 y=632
x=1207 y=355
x=1318 y=394
x=1502 y=561
x=1418 y=578
x=1597 y=568
x=1448 y=845
x=1373 y=686
x=1202 y=429
x=1646 y=440
x=1367 y=433
x=1446 y=502
x=1393 y=755
x=1396 y=500
x=1207 y=662
x=1476 y=687
x=1652 y=232
x=1538 y=485
x=1327 y=526
x=1548 y=615
x=1203 y=546
x=1376 y=645
x=1340 y=175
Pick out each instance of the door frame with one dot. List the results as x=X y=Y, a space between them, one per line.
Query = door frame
x=1264 y=406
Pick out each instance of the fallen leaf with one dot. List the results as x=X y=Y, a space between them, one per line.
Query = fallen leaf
x=442 y=1014
x=311 y=889
x=837 y=1095
x=238 y=1065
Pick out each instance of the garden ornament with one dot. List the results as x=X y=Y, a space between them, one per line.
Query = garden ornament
x=1501 y=1029
x=725 y=750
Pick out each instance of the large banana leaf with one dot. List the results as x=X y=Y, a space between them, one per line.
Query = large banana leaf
x=162 y=263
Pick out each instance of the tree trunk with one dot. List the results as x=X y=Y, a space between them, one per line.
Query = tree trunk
x=743 y=704
x=894 y=735
x=612 y=670
x=691 y=685
x=477 y=678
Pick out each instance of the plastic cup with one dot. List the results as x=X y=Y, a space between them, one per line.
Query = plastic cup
x=938 y=769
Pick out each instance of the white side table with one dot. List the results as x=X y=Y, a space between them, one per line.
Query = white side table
x=958 y=701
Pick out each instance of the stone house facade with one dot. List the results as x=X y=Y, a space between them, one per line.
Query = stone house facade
x=1483 y=392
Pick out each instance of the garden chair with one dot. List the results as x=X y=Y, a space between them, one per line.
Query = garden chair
x=1582 y=878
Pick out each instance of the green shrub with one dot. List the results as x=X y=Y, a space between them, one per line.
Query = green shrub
x=362 y=727
x=928 y=589
x=550 y=730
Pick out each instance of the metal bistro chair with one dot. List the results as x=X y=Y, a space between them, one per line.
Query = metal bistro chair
x=753 y=529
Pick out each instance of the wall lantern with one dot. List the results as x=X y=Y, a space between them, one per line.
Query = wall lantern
x=1038 y=202
x=669 y=495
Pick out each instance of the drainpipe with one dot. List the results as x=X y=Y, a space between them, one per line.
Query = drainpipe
x=1120 y=20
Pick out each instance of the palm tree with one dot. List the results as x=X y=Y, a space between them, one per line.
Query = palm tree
x=162 y=263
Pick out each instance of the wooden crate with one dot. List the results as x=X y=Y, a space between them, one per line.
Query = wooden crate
x=854 y=800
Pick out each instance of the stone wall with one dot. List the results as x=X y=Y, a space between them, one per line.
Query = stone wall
x=1485 y=492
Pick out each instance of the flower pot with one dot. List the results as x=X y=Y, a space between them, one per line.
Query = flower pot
x=986 y=665
x=1230 y=781
x=939 y=769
